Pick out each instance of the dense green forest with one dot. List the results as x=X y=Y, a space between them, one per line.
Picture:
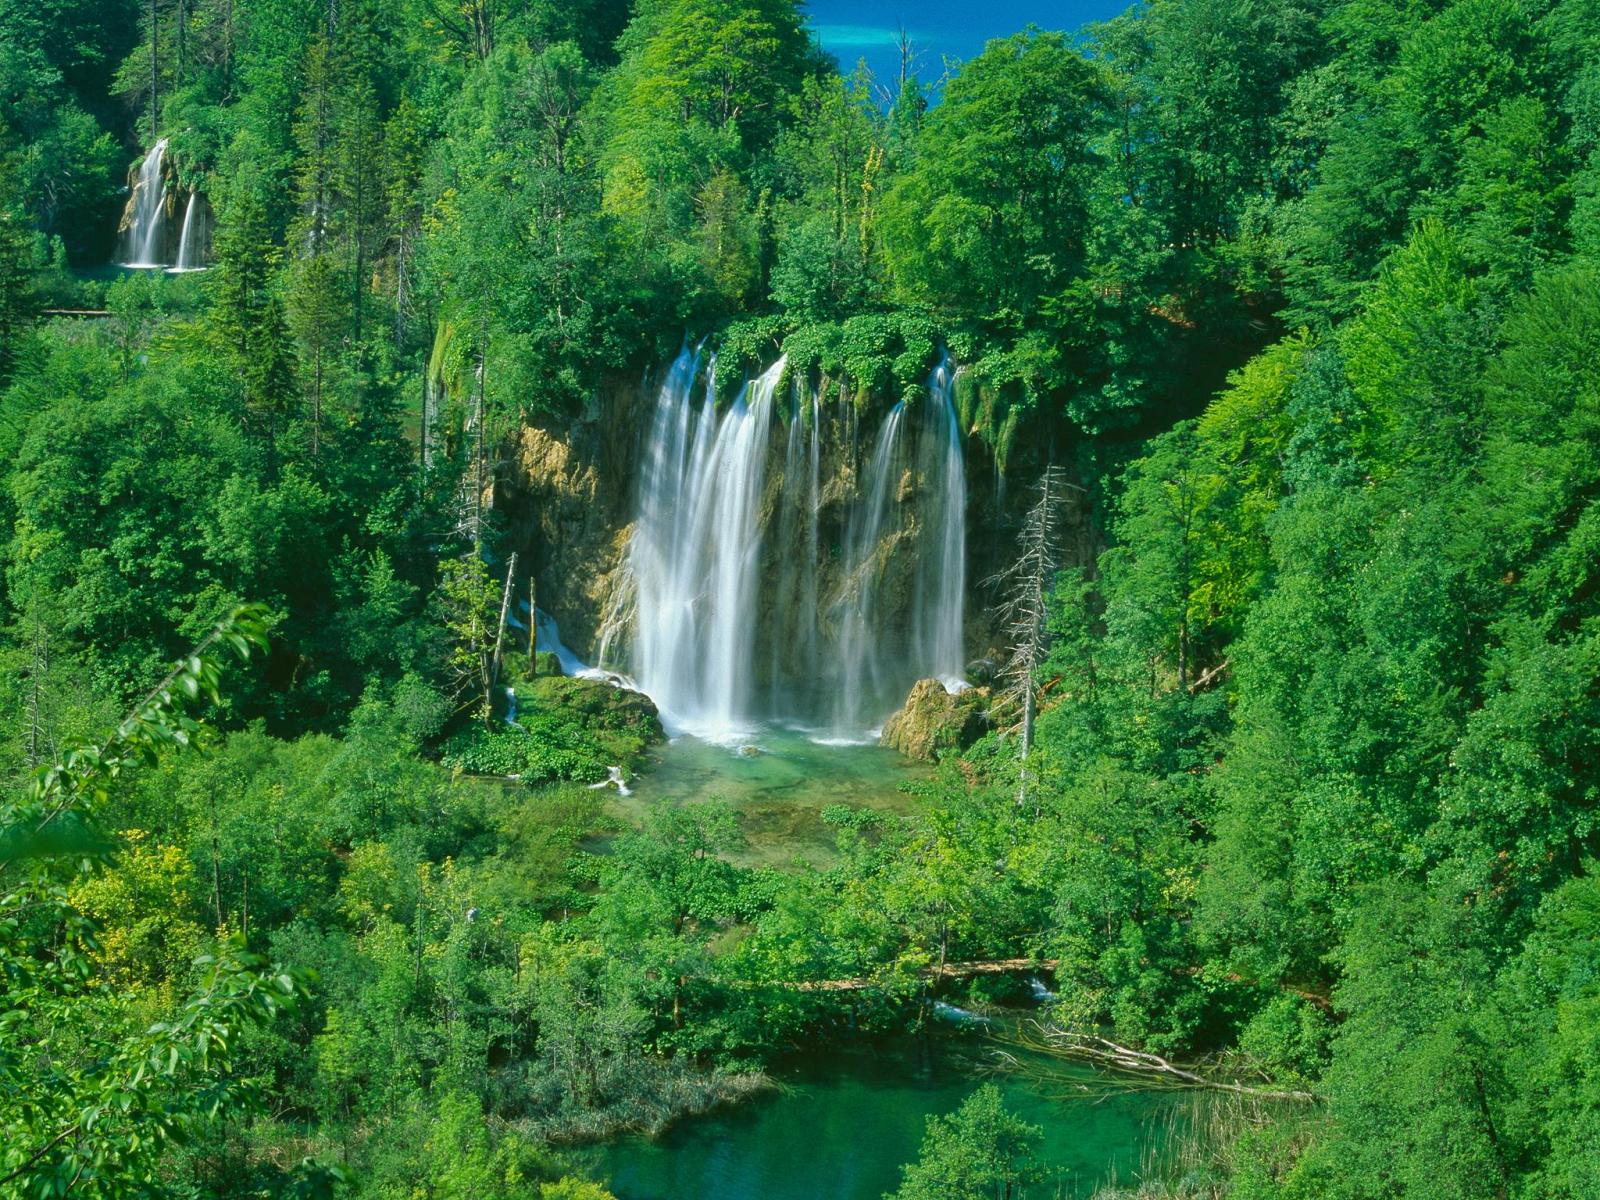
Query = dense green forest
x=1306 y=292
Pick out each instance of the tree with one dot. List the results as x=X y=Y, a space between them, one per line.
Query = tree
x=473 y=608
x=1028 y=584
x=992 y=216
x=16 y=301
x=981 y=1152
x=248 y=319
x=316 y=313
x=94 y=1101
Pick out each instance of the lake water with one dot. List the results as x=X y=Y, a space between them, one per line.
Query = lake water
x=844 y=1119
x=939 y=29
x=843 y=1122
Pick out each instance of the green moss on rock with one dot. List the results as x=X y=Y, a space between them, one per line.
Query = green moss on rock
x=936 y=722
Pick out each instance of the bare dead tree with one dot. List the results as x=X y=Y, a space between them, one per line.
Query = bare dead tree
x=1025 y=589
x=910 y=55
x=500 y=627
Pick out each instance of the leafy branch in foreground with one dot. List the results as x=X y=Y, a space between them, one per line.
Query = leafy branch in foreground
x=88 y=1098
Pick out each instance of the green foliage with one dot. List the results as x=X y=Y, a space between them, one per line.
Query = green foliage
x=549 y=752
x=96 y=1093
x=1306 y=290
x=980 y=1151
x=992 y=215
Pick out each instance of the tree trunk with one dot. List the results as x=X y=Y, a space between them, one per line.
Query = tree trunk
x=499 y=641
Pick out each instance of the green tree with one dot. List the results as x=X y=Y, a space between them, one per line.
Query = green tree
x=94 y=1098
x=980 y=1152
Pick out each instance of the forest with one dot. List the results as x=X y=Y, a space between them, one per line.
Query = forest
x=312 y=882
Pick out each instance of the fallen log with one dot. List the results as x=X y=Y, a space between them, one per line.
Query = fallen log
x=934 y=974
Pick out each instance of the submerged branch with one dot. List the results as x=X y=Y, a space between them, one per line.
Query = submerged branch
x=1104 y=1053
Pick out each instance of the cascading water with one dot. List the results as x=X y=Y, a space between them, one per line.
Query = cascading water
x=144 y=221
x=754 y=596
x=859 y=621
x=873 y=664
x=942 y=554
x=696 y=553
x=191 y=242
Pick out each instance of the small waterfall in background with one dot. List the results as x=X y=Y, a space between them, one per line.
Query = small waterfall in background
x=192 y=242
x=732 y=625
x=144 y=220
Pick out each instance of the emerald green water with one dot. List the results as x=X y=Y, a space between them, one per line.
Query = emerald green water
x=843 y=1122
x=778 y=790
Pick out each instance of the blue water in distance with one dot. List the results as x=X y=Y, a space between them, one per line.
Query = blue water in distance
x=940 y=29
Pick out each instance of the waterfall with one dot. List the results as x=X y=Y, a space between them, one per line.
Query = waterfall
x=696 y=552
x=144 y=220
x=191 y=243
x=757 y=594
x=859 y=621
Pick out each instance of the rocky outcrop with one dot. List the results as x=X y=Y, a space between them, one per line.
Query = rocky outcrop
x=600 y=708
x=936 y=721
x=567 y=497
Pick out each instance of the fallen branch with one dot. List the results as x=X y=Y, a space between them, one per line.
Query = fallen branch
x=955 y=970
x=1209 y=676
x=1108 y=1054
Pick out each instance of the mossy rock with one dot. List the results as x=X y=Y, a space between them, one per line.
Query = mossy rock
x=599 y=707
x=567 y=731
x=936 y=722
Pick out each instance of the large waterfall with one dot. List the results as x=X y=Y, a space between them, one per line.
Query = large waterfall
x=144 y=223
x=782 y=571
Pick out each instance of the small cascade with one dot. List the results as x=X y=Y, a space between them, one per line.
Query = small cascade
x=956 y=1015
x=193 y=241
x=144 y=221
x=614 y=778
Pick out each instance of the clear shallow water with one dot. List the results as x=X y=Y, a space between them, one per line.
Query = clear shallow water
x=778 y=791
x=843 y=1122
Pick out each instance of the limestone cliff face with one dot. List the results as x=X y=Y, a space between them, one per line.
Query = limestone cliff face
x=567 y=496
